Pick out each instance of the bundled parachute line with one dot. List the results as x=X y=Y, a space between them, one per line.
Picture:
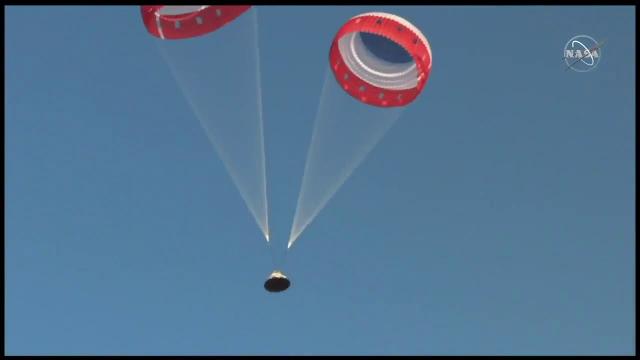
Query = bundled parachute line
x=219 y=75
x=380 y=63
x=343 y=135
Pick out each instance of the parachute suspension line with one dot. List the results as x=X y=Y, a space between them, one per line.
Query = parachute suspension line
x=256 y=33
x=295 y=228
x=344 y=133
x=272 y=254
x=222 y=100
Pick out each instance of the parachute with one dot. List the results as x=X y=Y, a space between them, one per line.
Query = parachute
x=181 y=22
x=382 y=61
x=218 y=72
x=367 y=59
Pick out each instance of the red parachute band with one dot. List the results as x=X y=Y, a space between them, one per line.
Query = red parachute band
x=406 y=86
x=181 y=22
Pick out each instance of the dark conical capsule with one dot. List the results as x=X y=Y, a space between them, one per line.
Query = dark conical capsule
x=277 y=282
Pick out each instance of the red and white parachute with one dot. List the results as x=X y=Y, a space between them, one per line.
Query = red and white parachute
x=181 y=22
x=371 y=78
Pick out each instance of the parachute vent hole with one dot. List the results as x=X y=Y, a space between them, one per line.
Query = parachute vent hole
x=415 y=41
x=379 y=21
x=177 y=24
x=381 y=96
x=362 y=88
x=399 y=96
x=218 y=12
x=199 y=20
x=400 y=29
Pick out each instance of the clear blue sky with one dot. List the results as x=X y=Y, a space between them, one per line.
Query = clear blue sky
x=496 y=217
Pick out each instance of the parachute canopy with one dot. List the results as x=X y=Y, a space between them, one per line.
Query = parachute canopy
x=381 y=59
x=187 y=21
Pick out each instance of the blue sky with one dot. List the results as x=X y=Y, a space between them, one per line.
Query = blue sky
x=495 y=217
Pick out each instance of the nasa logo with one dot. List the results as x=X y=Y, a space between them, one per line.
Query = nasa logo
x=582 y=53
